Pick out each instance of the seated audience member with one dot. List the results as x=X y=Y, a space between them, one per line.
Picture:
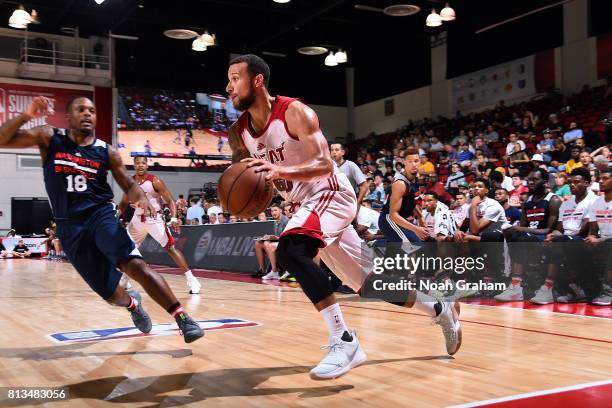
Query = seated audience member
x=460 y=208
x=195 y=211
x=519 y=188
x=559 y=156
x=574 y=160
x=426 y=167
x=513 y=214
x=262 y=217
x=267 y=244
x=562 y=189
x=221 y=218
x=546 y=146
x=212 y=219
x=483 y=168
x=514 y=145
x=233 y=219
x=367 y=222
x=438 y=218
x=455 y=178
x=432 y=184
x=572 y=134
x=21 y=250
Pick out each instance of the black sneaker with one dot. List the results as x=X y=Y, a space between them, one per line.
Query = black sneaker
x=188 y=327
x=345 y=290
x=257 y=274
x=141 y=319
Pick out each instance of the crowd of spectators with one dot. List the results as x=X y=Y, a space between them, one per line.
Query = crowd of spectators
x=167 y=110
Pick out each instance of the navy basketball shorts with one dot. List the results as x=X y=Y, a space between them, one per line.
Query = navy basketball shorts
x=95 y=246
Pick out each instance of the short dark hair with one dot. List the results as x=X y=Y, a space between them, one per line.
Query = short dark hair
x=543 y=173
x=139 y=156
x=483 y=181
x=71 y=101
x=502 y=189
x=411 y=151
x=582 y=172
x=607 y=170
x=433 y=194
x=255 y=65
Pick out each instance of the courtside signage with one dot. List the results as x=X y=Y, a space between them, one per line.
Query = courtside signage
x=122 y=333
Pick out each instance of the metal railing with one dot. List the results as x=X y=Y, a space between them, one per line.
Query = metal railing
x=55 y=58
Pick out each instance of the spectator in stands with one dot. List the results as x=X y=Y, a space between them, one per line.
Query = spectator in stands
x=601 y=162
x=438 y=218
x=3 y=251
x=450 y=154
x=562 y=189
x=426 y=167
x=580 y=143
x=436 y=145
x=586 y=160
x=479 y=144
x=433 y=185
x=572 y=134
x=514 y=145
x=514 y=199
x=513 y=214
x=367 y=222
x=491 y=136
x=603 y=151
x=351 y=170
x=559 y=156
x=455 y=178
x=546 y=146
x=574 y=160
x=262 y=217
x=483 y=167
x=221 y=218
x=181 y=204
x=212 y=219
x=464 y=154
x=195 y=211
x=214 y=207
x=267 y=246
x=460 y=207
x=21 y=250
x=233 y=219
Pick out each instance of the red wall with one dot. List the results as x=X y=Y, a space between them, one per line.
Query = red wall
x=104 y=103
x=604 y=56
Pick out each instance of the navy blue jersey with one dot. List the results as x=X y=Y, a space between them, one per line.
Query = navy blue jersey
x=408 y=203
x=536 y=212
x=75 y=176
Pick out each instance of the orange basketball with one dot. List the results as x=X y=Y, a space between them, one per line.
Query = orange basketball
x=242 y=192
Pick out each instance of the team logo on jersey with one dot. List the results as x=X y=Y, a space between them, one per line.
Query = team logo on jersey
x=122 y=333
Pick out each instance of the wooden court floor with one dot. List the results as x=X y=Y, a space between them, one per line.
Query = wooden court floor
x=505 y=351
x=163 y=142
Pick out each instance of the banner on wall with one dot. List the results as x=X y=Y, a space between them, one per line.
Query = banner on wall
x=513 y=79
x=15 y=97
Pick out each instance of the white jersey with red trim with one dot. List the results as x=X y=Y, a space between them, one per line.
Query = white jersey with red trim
x=153 y=196
x=275 y=144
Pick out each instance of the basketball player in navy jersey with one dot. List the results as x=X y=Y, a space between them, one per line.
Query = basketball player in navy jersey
x=539 y=217
x=281 y=137
x=75 y=167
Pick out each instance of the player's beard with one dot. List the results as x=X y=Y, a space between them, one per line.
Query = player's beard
x=246 y=102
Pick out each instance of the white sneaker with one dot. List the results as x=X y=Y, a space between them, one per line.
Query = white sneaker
x=285 y=275
x=605 y=298
x=543 y=296
x=341 y=357
x=511 y=294
x=448 y=319
x=271 y=276
x=125 y=282
x=576 y=295
x=193 y=285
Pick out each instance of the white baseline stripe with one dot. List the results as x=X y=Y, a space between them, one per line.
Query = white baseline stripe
x=539 y=311
x=532 y=394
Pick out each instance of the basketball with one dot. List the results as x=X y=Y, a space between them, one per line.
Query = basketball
x=243 y=192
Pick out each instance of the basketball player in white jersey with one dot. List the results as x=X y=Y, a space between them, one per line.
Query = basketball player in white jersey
x=281 y=137
x=140 y=226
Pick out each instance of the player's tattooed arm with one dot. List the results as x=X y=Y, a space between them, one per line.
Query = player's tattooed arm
x=12 y=136
x=239 y=151
x=135 y=194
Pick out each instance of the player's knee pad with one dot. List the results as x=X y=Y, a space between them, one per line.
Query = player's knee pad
x=295 y=253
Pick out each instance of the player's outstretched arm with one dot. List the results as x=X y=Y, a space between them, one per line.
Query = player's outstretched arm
x=303 y=123
x=129 y=187
x=11 y=136
x=163 y=191
x=239 y=151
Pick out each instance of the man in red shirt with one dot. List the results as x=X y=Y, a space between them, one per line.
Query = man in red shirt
x=515 y=195
x=433 y=185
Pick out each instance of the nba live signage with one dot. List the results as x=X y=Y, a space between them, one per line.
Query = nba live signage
x=225 y=247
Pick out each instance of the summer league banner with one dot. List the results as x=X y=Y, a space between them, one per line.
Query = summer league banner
x=486 y=270
x=226 y=247
x=514 y=79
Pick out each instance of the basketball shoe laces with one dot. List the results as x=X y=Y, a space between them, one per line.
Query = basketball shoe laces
x=334 y=347
x=446 y=325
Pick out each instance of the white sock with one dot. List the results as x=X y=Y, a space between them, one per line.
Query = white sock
x=334 y=320
x=425 y=303
x=188 y=274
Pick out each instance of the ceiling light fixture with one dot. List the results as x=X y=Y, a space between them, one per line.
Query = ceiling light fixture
x=447 y=13
x=341 y=57
x=330 y=60
x=433 y=20
x=198 y=44
x=209 y=40
x=99 y=1
x=281 y=1
x=20 y=18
